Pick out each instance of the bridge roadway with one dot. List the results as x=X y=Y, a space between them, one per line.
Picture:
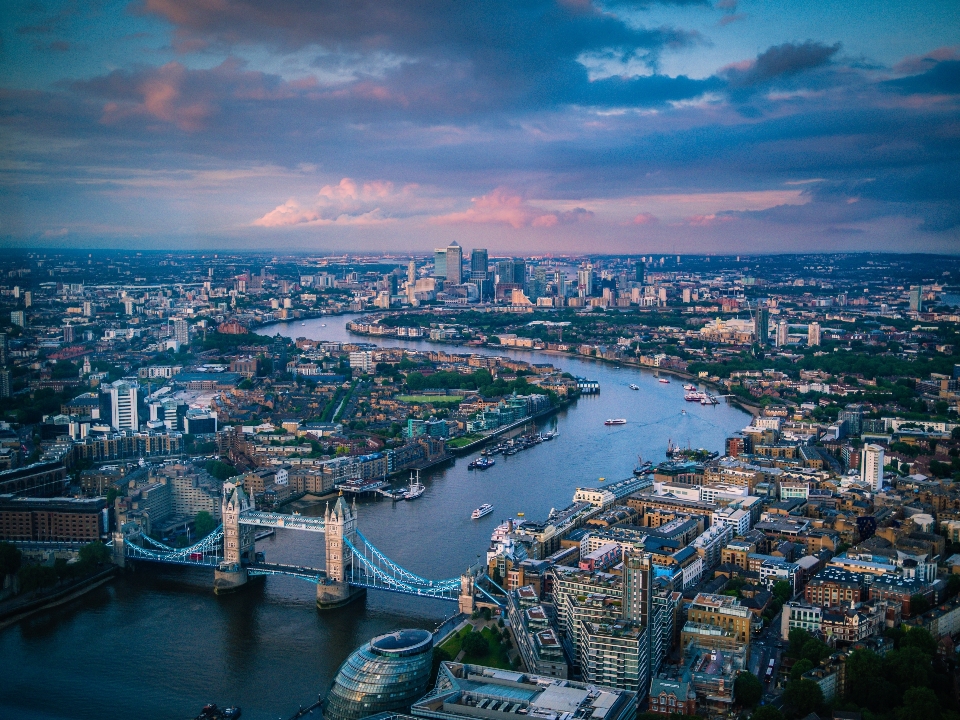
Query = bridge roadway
x=277 y=520
x=304 y=573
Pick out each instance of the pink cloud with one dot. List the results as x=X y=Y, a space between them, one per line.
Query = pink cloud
x=921 y=63
x=162 y=95
x=710 y=220
x=348 y=202
x=644 y=218
x=727 y=19
x=502 y=208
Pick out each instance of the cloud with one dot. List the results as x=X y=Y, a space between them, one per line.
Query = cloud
x=500 y=207
x=644 y=218
x=709 y=220
x=780 y=61
x=943 y=78
x=346 y=203
x=918 y=64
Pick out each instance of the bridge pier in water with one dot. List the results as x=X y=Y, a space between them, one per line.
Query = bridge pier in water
x=238 y=541
x=340 y=524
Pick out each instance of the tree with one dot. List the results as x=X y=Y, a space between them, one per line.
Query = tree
x=782 y=591
x=919 y=703
x=747 y=689
x=799 y=668
x=220 y=470
x=921 y=639
x=92 y=554
x=10 y=559
x=864 y=670
x=815 y=650
x=475 y=644
x=907 y=667
x=804 y=696
x=798 y=638
x=767 y=712
x=203 y=524
x=918 y=603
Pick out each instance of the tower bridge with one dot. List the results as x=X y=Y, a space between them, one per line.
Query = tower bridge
x=353 y=564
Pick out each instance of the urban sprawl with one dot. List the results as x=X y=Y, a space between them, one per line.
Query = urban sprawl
x=810 y=566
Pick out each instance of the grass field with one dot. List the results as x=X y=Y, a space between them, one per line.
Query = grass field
x=465 y=440
x=432 y=399
x=496 y=655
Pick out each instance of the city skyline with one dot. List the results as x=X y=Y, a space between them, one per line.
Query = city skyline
x=669 y=128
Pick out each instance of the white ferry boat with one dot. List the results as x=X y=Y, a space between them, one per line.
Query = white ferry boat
x=634 y=386
x=615 y=421
x=481 y=511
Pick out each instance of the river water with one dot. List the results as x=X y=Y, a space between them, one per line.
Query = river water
x=157 y=643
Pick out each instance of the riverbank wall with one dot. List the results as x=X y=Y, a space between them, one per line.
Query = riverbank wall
x=12 y=614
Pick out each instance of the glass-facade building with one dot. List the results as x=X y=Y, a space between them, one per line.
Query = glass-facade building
x=387 y=674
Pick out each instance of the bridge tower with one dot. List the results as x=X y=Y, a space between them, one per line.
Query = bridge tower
x=340 y=524
x=238 y=540
x=467 y=597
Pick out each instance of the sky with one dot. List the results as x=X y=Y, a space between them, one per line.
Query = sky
x=523 y=126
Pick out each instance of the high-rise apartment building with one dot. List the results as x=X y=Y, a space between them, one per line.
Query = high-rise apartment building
x=479 y=260
x=19 y=318
x=783 y=333
x=813 y=334
x=181 y=331
x=412 y=273
x=4 y=348
x=871 y=466
x=68 y=333
x=123 y=405
x=6 y=383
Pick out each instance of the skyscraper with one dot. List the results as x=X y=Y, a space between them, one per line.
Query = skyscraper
x=520 y=272
x=871 y=466
x=505 y=271
x=916 y=298
x=412 y=273
x=813 y=334
x=641 y=272
x=761 y=328
x=585 y=280
x=68 y=333
x=454 y=268
x=440 y=262
x=479 y=261
x=783 y=333
x=123 y=405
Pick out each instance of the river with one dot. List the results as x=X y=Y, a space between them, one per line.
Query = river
x=158 y=644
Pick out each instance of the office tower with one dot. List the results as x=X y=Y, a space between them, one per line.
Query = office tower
x=505 y=271
x=412 y=273
x=761 y=327
x=68 y=333
x=813 y=334
x=479 y=261
x=440 y=262
x=4 y=348
x=454 y=269
x=181 y=331
x=871 y=466
x=520 y=272
x=123 y=405
x=391 y=283
x=6 y=382
x=916 y=298
x=641 y=272
x=17 y=317
x=585 y=280
x=783 y=333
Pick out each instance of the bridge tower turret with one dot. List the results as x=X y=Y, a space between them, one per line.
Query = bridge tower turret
x=238 y=540
x=340 y=524
x=468 y=593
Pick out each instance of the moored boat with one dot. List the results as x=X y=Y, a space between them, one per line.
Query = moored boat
x=634 y=386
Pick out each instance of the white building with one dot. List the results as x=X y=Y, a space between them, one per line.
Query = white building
x=362 y=360
x=871 y=466
x=813 y=334
x=181 y=331
x=123 y=405
x=783 y=333
x=737 y=520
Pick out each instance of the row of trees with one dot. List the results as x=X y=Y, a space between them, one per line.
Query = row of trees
x=36 y=577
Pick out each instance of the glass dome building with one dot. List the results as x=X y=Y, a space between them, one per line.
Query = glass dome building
x=387 y=674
